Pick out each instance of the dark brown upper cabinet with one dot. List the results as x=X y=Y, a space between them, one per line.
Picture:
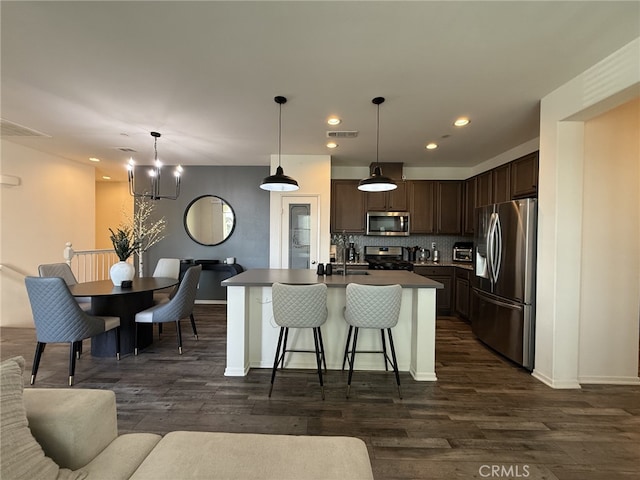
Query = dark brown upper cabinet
x=347 y=207
x=524 y=176
x=469 y=206
x=501 y=189
x=484 y=189
x=392 y=201
x=449 y=207
x=422 y=200
x=435 y=206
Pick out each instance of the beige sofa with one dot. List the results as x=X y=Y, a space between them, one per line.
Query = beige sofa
x=72 y=433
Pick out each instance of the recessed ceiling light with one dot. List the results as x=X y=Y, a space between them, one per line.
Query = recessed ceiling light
x=94 y=159
x=461 y=122
x=106 y=177
x=334 y=121
x=431 y=146
x=332 y=145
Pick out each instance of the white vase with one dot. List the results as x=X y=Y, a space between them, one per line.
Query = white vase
x=121 y=271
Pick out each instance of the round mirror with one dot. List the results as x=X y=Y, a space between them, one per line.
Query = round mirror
x=209 y=220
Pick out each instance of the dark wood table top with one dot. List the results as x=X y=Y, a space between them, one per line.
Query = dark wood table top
x=101 y=288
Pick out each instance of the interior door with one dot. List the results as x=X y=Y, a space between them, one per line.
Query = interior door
x=300 y=232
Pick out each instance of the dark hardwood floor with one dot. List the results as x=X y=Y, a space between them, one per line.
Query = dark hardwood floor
x=483 y=418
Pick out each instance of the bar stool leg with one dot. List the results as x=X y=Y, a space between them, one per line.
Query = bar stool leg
x=324 y=359
x=346 y=347
x=384 y=350
x=276 y=359
x=316 y=341
x=284 y=345
x=395 y=362
x=353 y=359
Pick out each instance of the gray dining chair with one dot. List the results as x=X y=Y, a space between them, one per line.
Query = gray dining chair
x=372 y=306
x=299 y=306
x=167 y=268
x=59 y=319
x=175 y=309
x=64 y=271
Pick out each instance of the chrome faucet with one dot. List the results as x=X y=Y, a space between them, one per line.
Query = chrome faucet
x=344 y=259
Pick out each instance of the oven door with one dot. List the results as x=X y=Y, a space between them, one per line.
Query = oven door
x=388 y=223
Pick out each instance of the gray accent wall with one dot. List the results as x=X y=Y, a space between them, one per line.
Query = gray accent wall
x=240 y=188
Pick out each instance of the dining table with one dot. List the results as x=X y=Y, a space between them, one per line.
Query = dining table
x=123 y=302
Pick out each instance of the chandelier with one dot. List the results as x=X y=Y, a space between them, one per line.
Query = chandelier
x=154 y=175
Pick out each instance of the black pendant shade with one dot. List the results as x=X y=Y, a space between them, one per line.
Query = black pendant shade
x=279 y=182
x=377 y=182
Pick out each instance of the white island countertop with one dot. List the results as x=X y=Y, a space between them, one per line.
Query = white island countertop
x=268 y=276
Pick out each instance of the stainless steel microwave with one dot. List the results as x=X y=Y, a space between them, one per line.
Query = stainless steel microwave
x=388 y=223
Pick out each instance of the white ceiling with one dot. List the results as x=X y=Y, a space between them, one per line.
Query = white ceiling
x=98 y=76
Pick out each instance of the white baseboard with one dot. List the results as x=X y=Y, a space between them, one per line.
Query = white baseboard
x=564 y=384
x=211 y=302
x=607 y=380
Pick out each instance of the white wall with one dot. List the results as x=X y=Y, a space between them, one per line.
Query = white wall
x=313 y=174
x=444 y=173
x=610 y=282
x=54 y=204
x=608 y=84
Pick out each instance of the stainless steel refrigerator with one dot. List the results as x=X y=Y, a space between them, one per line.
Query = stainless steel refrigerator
x=502 y=304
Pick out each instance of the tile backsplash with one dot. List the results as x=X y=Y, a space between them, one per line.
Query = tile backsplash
x=444 y=243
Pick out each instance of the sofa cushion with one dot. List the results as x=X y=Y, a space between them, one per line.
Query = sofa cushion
x=72 y=425
x=242 y=456
x=21 y=455
x=121 y=458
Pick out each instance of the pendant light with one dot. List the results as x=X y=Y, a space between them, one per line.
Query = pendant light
x=279 y=182
x=377 y=182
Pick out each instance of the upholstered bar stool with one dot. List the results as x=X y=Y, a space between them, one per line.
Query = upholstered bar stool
x=299 y=306
x=372 y=306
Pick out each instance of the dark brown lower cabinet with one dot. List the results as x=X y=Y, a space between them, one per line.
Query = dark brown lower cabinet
x=463 y=292
x=444 y=275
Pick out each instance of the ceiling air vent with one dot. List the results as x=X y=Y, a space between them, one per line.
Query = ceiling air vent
x=126 y=149
x=10 y=129
x=342 y=133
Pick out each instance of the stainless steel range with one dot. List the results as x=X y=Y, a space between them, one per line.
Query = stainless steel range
x=386 y=258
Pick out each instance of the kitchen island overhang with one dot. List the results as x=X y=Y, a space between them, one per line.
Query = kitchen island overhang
x=252 y=334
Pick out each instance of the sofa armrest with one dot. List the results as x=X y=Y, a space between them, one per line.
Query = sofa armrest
x=71 y=425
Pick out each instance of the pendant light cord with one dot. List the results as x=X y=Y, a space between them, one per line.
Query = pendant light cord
x=378 y=136
x=279 y=133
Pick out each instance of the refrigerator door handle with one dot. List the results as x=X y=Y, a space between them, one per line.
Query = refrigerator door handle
x=498 y=252
x=491 y=247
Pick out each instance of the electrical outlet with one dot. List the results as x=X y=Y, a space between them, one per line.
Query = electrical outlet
x=433 y=245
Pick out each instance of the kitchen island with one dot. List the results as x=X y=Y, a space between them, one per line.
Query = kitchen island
x=252 y=333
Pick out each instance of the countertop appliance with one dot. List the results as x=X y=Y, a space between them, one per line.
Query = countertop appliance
x=462 y=252
x=502 y=304
x=388 y=223
x=386 y=258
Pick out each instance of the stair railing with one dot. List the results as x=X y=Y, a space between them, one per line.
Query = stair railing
x=90 y=265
